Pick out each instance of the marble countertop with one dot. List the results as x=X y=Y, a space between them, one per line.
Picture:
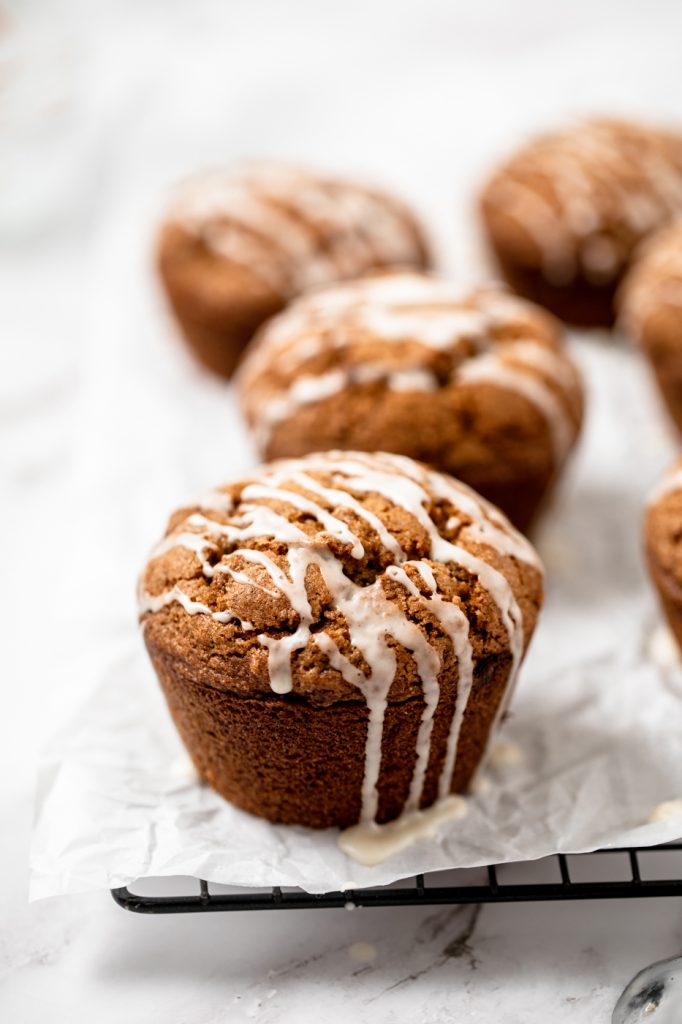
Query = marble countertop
x=85 y=959
x=127 y=97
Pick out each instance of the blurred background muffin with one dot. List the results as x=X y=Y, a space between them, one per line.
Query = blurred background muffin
x=650 y=302
x=565 y=212
x=475 y=382
x=238 y=244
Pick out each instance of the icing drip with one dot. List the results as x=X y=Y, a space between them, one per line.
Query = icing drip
x=339 y=497
x=336 y=527
x=294 y=229
x=175 y=594
x=456 y=625
x=371 y=844
x=398 y=312
x=541 y=222
x=665 y=811
x=597 y=175
x=373 y=620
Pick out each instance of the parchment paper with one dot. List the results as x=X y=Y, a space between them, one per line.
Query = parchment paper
x=593 y=745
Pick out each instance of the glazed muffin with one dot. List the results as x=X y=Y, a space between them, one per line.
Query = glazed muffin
x=475 y=383
x=337 y=635
x=663 y=545
x=650 y=303
x=237 y=245
x=565 y=213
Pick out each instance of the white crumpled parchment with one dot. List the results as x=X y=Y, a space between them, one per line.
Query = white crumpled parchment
x=600 y=747
x=596 y=717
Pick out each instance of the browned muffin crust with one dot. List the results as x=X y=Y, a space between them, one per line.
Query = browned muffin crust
x=564 y=214
x=477 y=384
x=238 y=244
x=650 y=302
x=663 y=545
x=270 y=606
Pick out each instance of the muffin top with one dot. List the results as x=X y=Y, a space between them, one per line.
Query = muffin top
x=663 y=527
x=651 y=294
x=285 y=229
x=341 y=576
x=392 y=334
x=576 y=202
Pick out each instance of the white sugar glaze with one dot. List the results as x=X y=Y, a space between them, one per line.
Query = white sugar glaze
x=456 y=625
x=540 y=222
x=292 y=228
x=597 y=173
x=369 y=843
x=395 y=311
x=666 y=810
x=372 y=618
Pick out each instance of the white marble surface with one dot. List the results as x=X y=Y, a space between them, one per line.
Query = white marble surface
x=419 y=95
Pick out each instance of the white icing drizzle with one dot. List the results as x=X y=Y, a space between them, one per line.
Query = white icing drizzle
x=409 y=315
x=541 y=223
x=195 y=542
x=336 y=527
x=487 y=526
x=294 y=229
x=411 y=380
x=493 y=369
x=372 y=619
x=217 y=501
x=598 y=173
x=147 y=603
x=340 y=497
x=456 y=625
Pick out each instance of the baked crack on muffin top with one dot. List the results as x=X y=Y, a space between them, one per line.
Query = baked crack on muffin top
x=338 y=580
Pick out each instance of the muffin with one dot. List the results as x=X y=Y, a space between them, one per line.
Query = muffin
x=475 y=383
x=564 y=214
x=663 y=545
x=337 y=635
x=236 y=245
x=650 y=303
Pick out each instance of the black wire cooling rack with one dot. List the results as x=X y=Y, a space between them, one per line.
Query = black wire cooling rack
x=632 y=872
